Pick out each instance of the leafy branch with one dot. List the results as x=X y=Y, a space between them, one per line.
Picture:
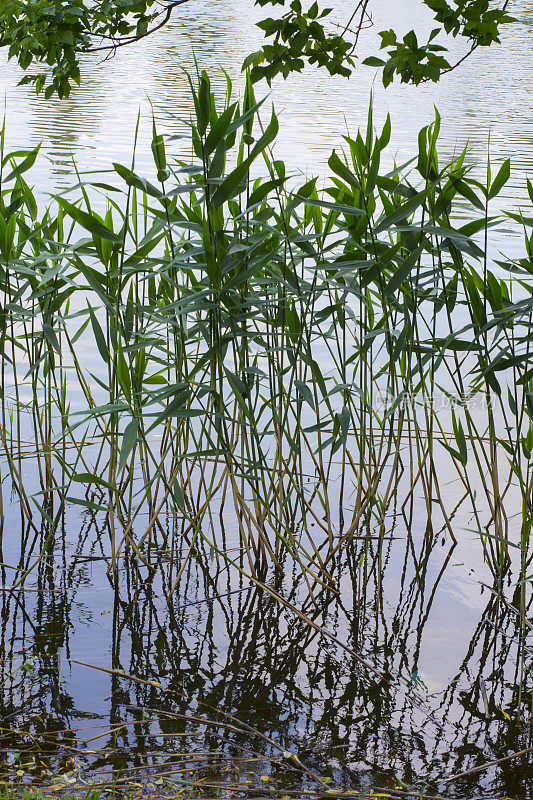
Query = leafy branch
x=53 y=34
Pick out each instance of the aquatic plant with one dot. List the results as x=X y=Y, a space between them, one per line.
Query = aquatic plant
x=297 y=358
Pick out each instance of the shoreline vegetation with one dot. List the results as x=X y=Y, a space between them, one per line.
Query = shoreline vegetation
x=302 y=359
x=245 y=324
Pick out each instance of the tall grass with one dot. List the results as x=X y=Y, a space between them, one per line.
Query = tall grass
x=294 y=359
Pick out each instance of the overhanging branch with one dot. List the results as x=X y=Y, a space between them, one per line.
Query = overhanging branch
x=114 y=44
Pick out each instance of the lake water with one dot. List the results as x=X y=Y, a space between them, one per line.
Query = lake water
x=490 y=94
x=417 y=612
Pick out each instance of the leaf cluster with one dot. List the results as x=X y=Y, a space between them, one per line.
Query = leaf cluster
x=476 y=20
x=47 y=37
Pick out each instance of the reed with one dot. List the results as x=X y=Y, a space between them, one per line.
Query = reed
x=219 y=342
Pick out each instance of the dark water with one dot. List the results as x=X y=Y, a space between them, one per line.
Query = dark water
x=412 y=607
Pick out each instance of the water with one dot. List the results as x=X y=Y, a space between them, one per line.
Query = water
x=490 y=93
x=418 y=613
x=434 y=634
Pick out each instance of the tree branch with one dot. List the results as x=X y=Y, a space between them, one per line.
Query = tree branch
x=474 y=47
x=116 y=43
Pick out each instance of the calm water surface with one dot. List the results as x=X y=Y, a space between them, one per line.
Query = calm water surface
x=429 y=625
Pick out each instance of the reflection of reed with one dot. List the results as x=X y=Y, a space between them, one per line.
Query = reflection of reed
x=278 y=675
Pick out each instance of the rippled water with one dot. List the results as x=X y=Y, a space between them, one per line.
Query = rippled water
x=417 y=611
x=491 y=93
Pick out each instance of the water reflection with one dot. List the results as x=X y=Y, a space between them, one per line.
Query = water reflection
x=221 y=646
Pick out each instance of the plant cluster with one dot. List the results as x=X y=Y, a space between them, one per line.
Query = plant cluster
x=247 y=329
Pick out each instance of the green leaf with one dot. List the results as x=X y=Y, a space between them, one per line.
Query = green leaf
x=230 y=185
x=87 y=478
x=176 y=408
x=90 y=221
x=23 y=166
x=460 y=439
x=123 y=375
x=340 y=207
x=51 y=338
x=129 y=440
x=345 y=419
x=138 y=183
x=504 y=173
x=403 y=271
x=305 y=392
x=99 y=337
x=86 y=504
x=373 y=61
x=219 y=129
x=404 y=212
x=178 y=495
